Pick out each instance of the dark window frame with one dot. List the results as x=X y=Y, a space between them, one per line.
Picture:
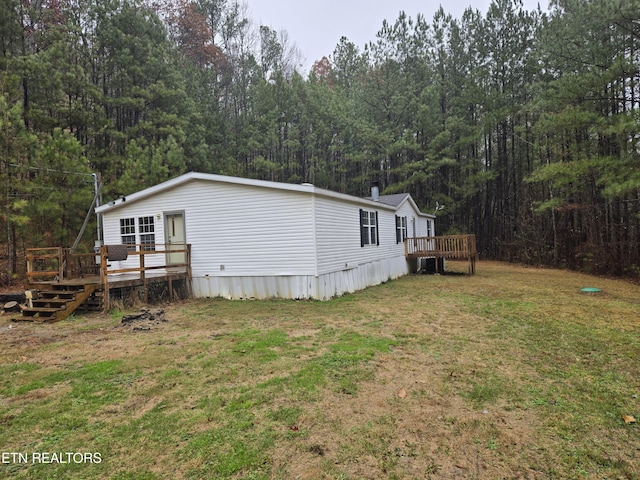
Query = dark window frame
x=401 y=229
x=369 y=230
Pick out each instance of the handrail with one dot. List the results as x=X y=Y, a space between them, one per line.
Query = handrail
x=142 y=251
x=56 y=262
x=51 y=262
x=454 y=247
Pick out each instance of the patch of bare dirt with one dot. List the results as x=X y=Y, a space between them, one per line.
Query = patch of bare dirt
x=40 y=393
x=94 y=337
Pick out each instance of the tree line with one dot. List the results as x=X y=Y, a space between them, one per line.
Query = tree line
x=524 y=124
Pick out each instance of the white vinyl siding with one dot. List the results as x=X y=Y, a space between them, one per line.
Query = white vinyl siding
x=234 y=229
x=414 y=217
x=338 y=235
x=250 y=231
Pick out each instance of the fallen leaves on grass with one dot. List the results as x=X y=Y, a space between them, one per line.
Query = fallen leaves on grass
x=628 y=419
x=402 y=393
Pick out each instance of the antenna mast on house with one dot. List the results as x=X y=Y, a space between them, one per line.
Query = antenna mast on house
x=97 y=199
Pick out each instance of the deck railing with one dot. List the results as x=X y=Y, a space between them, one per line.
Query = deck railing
x=143 y=270
x=57 y=263
x=454 y=247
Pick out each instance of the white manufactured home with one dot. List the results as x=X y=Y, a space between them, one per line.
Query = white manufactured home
x=260 y=239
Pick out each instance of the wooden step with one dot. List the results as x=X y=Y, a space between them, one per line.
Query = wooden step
x=50 y=302
x=58 y=303
x=44 y=312
x=59 y=293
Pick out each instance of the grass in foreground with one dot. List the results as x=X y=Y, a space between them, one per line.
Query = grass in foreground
x=511 y=373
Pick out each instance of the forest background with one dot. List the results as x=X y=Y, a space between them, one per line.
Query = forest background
x=525 y=125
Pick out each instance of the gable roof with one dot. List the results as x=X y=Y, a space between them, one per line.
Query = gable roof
x=398 y=199
x=395 y=200
x=390 y=202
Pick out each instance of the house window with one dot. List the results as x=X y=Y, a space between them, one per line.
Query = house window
x=401 y=229
x=147 y=233
x=369 y=228
x=128 y=233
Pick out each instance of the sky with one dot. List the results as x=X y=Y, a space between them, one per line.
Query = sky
x=317 y=26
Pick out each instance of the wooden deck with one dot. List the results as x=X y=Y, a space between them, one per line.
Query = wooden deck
x=56 y=267
x=453 y=247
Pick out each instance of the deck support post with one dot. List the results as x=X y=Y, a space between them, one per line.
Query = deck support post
x=104 y=278
x=143 y=277
x=61 y=264
x=188 y=279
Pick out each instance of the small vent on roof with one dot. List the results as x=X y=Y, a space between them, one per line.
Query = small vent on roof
x=306 y=184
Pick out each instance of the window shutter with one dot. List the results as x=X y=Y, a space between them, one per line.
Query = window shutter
x=398 y=231
x=362 y=232
x=377 y=230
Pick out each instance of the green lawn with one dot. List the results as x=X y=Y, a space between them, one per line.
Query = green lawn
x=510 y=373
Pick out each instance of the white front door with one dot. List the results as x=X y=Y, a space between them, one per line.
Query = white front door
x=175 y=237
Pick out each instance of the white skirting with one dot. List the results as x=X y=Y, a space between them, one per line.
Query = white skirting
x=322 y=287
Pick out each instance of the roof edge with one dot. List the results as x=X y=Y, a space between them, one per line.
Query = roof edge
x=193 y=176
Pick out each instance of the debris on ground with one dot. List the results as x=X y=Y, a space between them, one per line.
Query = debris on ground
x=628 y=419
x=11 y=306
x=11 y=302
x=143 y=321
